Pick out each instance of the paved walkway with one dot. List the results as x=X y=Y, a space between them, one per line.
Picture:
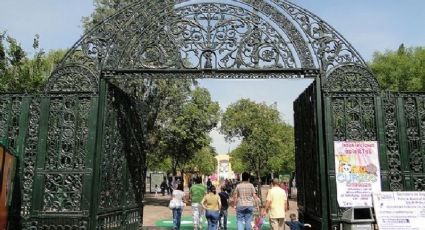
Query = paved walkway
x=157 y=214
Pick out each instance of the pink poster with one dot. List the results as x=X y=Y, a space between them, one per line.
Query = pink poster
x=357 y=172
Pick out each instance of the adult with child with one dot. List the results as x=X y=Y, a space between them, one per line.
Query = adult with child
x=295 y=224
x=212 y=205
x=245 y=198
x=196 y=192
x=176 y=205
x=275 y=206
x=224 y=199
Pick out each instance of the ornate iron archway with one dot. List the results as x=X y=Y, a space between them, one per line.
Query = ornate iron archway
x=234 y=39
x=170 y=39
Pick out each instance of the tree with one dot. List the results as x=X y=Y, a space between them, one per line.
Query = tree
x=104 y=9
x=401 y=70
x=204 y=161
x=267 y=142
x=187 y=130
x=19 y=73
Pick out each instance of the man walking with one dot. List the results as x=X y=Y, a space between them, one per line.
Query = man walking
x=196 y=193
x=245 y=198
x=275 y=206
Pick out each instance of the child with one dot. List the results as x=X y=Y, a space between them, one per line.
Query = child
x=294 y=224
x=224 y=199
x=258 y=222
x=157 y=189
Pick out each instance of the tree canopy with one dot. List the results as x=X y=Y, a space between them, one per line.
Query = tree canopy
x=400 y=70
x=187 y=131
x=20 y=73
x=267 y=142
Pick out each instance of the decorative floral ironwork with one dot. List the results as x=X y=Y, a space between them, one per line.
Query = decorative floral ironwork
x=28 y=168
x=67 y=136
x=413 y=136
x=73 y=78
x=353 y=118
x=112 y=163
x=62 y=192
x=329 y=46
x=13 y=129
x=236 y=35
x=350 y=78
x=4 y=117
x=392 y=143
x=419 y=183
x=66 y=223
x=66 y=152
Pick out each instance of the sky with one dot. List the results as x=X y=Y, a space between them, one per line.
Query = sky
x=369 y=25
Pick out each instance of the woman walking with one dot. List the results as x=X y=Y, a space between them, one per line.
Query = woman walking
x=176 y=204
x=212 y=205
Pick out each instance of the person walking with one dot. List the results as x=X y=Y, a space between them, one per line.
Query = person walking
x=212 y=205
x=244 y=198
x=224 y=199
x=164 y=187
x=196 y=193
x=209 y=184
x=275 y=206
x=176 y=205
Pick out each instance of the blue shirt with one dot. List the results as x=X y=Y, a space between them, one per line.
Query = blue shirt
x=295 y=225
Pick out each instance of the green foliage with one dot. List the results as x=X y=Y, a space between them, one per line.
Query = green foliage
x=401 y=70
x=104 y=9
x=203 y=162
x=178 y=115
x=189 y=126
x=19 y=73
x=267 y=142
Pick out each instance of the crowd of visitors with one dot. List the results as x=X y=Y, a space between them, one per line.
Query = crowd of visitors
x=207 y=201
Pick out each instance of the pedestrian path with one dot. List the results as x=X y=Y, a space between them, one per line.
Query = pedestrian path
x=157 y=215
x=186 y=223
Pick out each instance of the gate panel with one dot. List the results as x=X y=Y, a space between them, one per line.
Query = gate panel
x=348 y=116
x=405 y=140
x=117 y=204
x=311 y=194
x=396 y=121
x=53 y=137
x=62 y=185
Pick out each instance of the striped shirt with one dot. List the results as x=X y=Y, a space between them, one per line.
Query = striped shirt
x=245 y=192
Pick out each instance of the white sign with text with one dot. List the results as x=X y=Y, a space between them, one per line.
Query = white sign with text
x=400 y=210
x=357 y=172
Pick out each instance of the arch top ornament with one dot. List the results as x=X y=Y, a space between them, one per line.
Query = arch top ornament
x=220 y=35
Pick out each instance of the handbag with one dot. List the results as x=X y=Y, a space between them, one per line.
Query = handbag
x=173 y=204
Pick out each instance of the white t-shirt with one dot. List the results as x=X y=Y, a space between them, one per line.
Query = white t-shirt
x=178 y=196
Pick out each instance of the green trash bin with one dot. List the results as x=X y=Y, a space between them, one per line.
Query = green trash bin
x=358 y=218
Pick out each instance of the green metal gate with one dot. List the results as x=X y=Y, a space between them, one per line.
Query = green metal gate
x=69 y=175
x=81 y=162
x=395 y=120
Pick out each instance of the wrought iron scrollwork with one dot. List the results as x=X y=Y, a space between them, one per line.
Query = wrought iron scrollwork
x=350 y=78
x=112 y=163
x=73 y=78
x=30 y=155
x=353 y=118
x=392 y=143
x=183 y=34
x=65 y=167
x=414 y=140
x=10 y=110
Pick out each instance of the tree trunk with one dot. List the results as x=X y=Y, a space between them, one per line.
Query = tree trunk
x=259 y=186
